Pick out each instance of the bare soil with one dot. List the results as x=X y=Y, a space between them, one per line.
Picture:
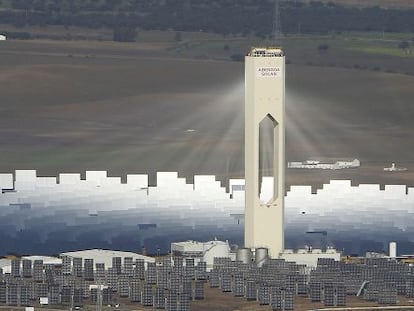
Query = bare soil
x=75 y=106
x=218 y=301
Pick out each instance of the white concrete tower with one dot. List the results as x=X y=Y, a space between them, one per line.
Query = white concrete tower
x=264 y=100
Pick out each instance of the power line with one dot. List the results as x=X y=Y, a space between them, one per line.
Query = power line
x=277 y=27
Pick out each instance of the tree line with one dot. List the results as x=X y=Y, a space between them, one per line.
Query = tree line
x=218 y=16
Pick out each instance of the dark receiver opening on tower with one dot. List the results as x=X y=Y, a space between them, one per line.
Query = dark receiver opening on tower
x=267 y=159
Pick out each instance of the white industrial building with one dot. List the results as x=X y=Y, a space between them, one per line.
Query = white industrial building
x=105 y=256
x=314 y=164
x=309 y=257
x=394 y=168
x=98 y=256
x=3 y=38
x=201 y=251
x=393 y=250
x=5 y=263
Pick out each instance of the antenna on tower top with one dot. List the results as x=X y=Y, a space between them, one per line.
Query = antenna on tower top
x=277 y=28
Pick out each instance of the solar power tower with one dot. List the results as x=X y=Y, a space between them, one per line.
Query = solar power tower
x=264 y=104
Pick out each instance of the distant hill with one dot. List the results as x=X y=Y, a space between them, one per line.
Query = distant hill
x=216 y=16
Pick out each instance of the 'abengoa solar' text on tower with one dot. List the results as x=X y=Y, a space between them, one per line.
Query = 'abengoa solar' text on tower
x=264 y=102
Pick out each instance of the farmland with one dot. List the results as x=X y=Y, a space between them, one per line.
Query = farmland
x=156 y=105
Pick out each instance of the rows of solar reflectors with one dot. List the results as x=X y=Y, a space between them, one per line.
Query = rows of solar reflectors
x=172 y=283
x=277 y=283
x=164 y=285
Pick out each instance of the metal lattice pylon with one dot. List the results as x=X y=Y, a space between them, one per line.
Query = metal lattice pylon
x=277 y=26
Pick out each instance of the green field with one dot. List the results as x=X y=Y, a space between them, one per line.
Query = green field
x=370 y=3
x=384 y=51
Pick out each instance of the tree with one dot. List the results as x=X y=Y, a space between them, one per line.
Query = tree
x=403 y=45
x=125 y=34
x=238 y=57
x=323 y=48
x=178 y=36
